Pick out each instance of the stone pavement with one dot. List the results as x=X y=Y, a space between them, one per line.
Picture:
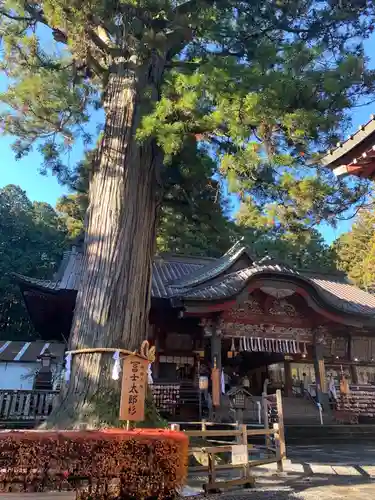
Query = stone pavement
x=332 y=472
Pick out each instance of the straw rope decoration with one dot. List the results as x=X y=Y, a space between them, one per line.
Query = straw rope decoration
x=145 y=352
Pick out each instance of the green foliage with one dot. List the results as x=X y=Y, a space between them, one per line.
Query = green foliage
x=356 y=250
x=264 y=126
x=32 y=239
x=72 y=209
x=300 y=247
x=192 y=216
x=262 y=87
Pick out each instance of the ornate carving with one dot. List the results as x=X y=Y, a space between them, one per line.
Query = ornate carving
x=275 y=311
x=249 y=307
x=232 y=329
x=320 y=335
x=252 y=305
x=339 y=347
x=282 y=308
x=361 y=349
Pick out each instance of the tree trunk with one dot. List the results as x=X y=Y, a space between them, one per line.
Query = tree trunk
x=114 y=297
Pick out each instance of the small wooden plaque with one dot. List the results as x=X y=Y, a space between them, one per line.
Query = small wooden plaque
x=215 y=377
x=133 y=389
x=240 y=454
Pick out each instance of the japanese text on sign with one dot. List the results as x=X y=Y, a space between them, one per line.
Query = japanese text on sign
x=239 y=454
x=133 y=389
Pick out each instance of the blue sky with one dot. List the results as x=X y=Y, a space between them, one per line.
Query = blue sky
x=26 y=174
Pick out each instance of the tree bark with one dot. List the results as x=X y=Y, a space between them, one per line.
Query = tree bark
x=113 y=300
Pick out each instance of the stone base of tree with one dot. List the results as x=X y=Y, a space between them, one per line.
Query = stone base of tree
x=95 y=465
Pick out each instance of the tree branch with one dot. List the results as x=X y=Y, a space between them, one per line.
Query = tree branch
x=188 y=65
x=177 y=40
x=16 y=18
x=95 y=65
x=38 y=16
x=102 y=45
x=191 y=6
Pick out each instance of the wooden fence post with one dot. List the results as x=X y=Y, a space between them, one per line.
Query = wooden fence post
x=246 y=468
x=211 y=471
x=281 y=432
x=266 y=423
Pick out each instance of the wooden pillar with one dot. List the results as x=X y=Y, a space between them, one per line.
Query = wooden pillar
x=354 y=373
x=156 y=364
x=281 y=432
x=353 y=367
x=266 y=423
x=216 y=352
x=320 y=372
x=288 y=383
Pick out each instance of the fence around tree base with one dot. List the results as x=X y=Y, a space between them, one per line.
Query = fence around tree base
x=274 y=448
x=28 y=407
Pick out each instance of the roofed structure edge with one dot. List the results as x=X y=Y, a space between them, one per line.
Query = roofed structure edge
x=317 y=294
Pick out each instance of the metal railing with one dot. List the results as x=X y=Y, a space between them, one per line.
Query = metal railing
x=309 y=394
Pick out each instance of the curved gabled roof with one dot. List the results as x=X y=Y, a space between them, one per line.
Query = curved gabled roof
x=335 y=292
x=215 y=268
x=346 y=151
x=196 y=279
x=356 y=155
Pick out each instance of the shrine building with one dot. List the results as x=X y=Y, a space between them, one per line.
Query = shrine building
x=356 y=155
x=257 y=320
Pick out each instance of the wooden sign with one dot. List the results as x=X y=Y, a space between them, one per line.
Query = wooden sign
x=215 y=377
x=240 y=455
x=133 y=389
x=344 y=386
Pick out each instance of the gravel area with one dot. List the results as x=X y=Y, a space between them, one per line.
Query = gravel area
x=345 y=472
x=295 y=492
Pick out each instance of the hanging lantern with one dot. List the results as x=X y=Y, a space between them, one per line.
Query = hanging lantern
x=203 y=383
x=232 y=351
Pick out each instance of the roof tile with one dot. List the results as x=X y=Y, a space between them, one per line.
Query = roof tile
x=26 y=352
x=199 y=279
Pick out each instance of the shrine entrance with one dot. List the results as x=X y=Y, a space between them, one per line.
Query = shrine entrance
x=264 y=341
x=256 y=368
x=286 y=369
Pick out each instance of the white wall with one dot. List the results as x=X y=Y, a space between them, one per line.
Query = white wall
x=20 y=376
x=16 y=375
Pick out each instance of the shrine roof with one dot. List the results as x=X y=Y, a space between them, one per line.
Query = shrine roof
x=214 y=268
x=196 y=279
x=28 y=352
x=355 y=155
x=334 y=289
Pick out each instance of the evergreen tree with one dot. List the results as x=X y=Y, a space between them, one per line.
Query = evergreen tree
x=355 y=250
x=299 y=246
x=72 y=210
x=32 y=239
x=261 y=81
x=193 y=216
